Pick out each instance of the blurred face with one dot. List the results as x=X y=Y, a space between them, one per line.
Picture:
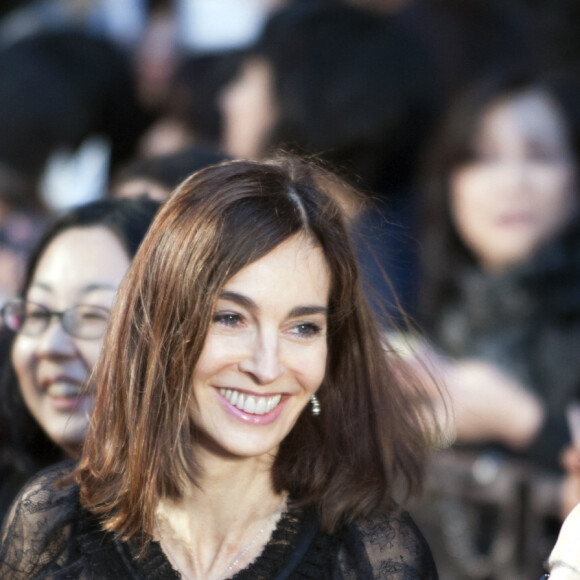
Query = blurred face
x=520 y=190
x=248 y=106
x=265 y=354
x=80 y=266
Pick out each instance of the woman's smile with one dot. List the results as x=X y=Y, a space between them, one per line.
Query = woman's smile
x=252 y=408
x=252 y=404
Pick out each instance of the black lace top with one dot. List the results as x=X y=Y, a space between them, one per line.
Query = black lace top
x=49 y=535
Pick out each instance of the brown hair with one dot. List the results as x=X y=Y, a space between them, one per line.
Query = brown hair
x=141 y=443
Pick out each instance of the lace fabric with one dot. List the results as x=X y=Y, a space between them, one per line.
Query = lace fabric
x=48 y=535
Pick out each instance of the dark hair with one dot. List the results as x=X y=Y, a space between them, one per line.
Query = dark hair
x=63 y=86
x=195 y=86
x=141 y=443
x=171 y=169
x=25 y=446
x=353 y=86
x=443 y=254
x=469 y=37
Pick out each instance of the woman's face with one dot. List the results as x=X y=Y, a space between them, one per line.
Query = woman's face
x=248 y=106
x=520 y=190
x=265 y=353
x=80 y=266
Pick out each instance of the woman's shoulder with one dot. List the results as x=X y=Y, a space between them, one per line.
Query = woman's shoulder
x=38 y=522
x=394 y=546
x=43 y=492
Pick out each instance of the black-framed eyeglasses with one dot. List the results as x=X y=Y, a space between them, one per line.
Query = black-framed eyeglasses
x=31 y=319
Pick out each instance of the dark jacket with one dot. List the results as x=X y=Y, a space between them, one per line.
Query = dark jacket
x=527 y=321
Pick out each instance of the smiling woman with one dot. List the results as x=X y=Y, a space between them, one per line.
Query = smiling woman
x=249 y=421
x=59 y=323
x=81 y=269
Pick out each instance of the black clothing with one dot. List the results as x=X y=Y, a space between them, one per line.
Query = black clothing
x=526 y=321
x=49 y=535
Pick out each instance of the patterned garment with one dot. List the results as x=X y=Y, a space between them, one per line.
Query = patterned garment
x=48 y=535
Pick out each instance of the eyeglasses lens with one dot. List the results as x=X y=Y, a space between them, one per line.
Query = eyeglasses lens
x=32 y=319
x=26 y=317
x=86 y=321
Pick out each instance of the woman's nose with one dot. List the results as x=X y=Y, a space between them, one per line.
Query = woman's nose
x=55 y=341
x=263 y=360
x=517 y=176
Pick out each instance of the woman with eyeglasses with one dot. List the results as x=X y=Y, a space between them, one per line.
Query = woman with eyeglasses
x=248 y=422
x=59 y=322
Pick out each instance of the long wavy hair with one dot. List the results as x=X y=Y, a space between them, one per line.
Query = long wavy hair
x=141 y=444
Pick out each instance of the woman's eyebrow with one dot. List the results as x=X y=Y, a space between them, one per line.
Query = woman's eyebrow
x=249 y=304
x=308 y=311
x=99 y=286
x=240 y=299
x=41 y=286
x=85 y=289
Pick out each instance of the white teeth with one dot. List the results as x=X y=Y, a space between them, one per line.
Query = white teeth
x=251 y=403
x=261 y=406
x=272 y=402
x=63 y=390
x=250 y=406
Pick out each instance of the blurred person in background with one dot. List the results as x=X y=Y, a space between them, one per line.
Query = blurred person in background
x=59 y=322
x=69 y=112
x=190 y=114
x=156 y=177
x=22 y=220
x=353 y=87
x=500 y=272
x=498 y=241
x=465 y=38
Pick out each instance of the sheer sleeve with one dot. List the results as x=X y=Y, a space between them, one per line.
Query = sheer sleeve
x=37 y=531
x=390 y=548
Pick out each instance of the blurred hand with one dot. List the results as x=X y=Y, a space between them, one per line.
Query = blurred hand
x=490 y=405
x=475 y=400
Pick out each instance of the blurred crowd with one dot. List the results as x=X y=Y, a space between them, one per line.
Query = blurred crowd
x=460 y=122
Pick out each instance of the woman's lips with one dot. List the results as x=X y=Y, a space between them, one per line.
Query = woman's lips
x=249 y=403
x=65 y=393
x=252 y=408
x=515 y=219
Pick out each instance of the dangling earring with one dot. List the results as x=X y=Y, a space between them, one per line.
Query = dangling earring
x=315 y=405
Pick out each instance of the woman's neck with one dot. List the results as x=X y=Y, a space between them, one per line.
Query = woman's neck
x=230 y=513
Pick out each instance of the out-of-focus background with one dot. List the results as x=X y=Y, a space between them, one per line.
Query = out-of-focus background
x=460 y=122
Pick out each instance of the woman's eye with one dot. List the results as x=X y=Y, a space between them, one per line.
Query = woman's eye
x=227 y=319
x=544 y=154
x=306 y=329
x=37 y=314
x=486 y=157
